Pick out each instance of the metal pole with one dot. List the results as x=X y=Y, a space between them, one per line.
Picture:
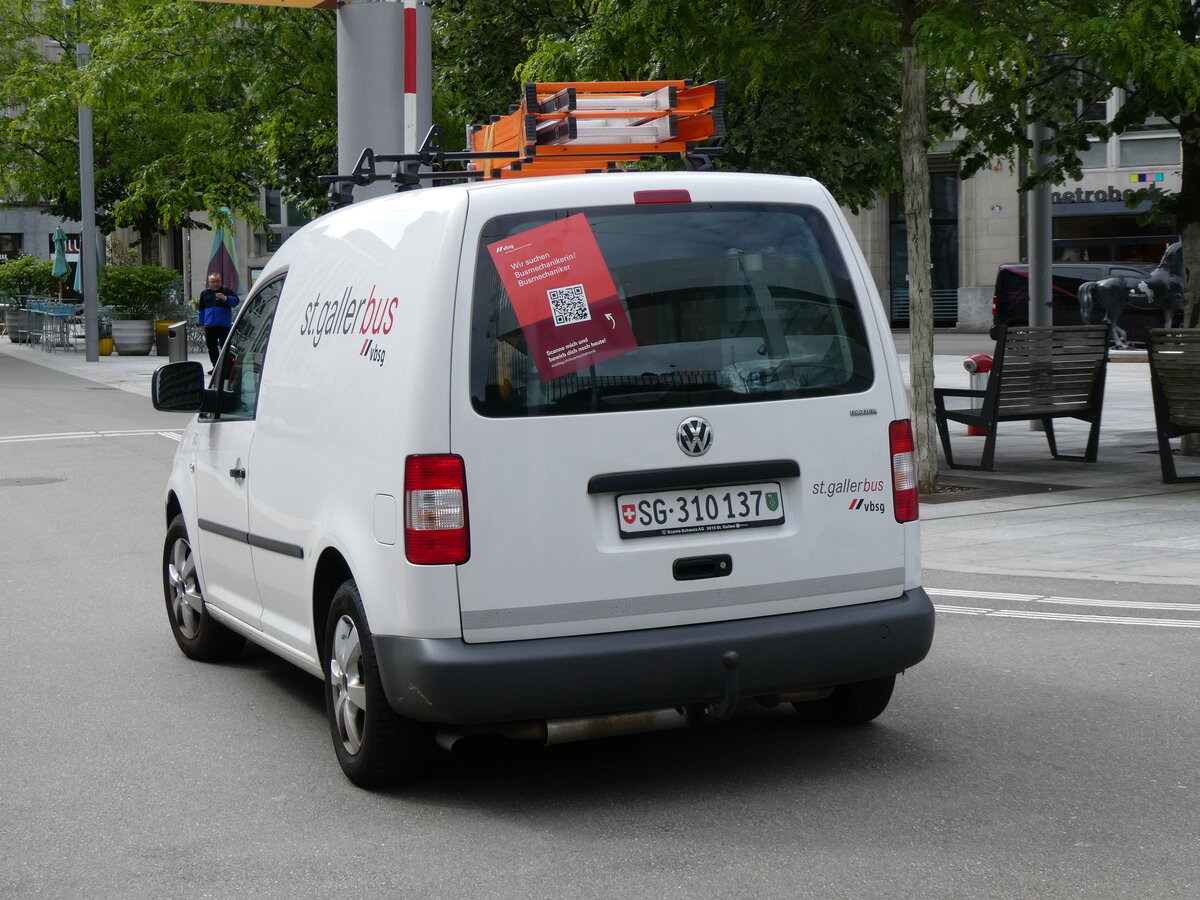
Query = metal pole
x=1041 y=238
x=418 y=73
x=1041 y=245
x=370 y=71
x=87 y=242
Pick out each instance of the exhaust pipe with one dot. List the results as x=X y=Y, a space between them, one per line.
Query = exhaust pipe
x=565 y=731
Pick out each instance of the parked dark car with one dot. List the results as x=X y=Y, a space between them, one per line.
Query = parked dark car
x=1010 y=302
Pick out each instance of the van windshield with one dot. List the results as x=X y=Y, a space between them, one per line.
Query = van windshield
x=644 y=307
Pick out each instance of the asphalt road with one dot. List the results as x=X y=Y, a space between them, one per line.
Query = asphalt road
x=1026 y=758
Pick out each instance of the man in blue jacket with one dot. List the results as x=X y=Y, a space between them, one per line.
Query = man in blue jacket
x=216 y=314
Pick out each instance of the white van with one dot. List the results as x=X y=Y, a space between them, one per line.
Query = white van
x=555 y=458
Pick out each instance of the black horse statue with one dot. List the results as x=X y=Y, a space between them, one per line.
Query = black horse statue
x=1162 y=288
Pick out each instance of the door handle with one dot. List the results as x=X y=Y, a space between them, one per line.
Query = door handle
x=237 y=473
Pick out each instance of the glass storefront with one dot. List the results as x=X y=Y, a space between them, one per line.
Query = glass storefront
x=943 y=202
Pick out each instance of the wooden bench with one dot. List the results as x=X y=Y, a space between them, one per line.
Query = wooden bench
x=1175 y=383
x=1039 y=373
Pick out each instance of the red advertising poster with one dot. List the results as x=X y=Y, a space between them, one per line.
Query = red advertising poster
x=564 y=296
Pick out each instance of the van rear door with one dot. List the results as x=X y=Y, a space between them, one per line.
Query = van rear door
x=709 y=442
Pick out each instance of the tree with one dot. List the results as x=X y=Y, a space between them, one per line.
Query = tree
x=1051 y=62
x=914 y=153
x=804 y=95
x=477 y=46
x=195 y=107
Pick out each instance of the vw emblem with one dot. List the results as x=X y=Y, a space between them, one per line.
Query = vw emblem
x=694 y=436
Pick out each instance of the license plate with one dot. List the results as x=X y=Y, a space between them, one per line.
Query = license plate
x=711 y=509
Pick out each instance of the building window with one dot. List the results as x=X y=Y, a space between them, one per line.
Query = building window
x=1096 y=156
x=10 y=246
x=1154 y=142
x=284 y=218
x=943 y=202
x=1142 y=150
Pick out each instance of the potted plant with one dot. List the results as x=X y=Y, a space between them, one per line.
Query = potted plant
x=136 y=294
x=20 y=278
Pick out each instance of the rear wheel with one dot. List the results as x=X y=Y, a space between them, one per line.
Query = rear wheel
x=849 y=704
x=198 y=634
x=375 y=746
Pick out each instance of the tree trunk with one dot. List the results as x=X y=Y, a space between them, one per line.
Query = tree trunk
x=914 y=146
x=1189 y=444
x=1188 y=223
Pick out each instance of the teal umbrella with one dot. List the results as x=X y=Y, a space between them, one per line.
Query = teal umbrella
x=61 y=268
x=224 y=258
x=79 y=270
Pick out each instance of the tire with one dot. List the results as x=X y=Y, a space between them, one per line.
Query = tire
x=849 y=704
x=198 y=634
x=375 y=747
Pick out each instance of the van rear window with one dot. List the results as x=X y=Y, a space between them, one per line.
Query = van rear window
x=622 y=308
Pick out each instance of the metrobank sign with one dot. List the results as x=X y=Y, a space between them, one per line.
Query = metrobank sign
x=1165 y=181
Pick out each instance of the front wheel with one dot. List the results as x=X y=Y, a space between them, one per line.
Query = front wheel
x=375 y=747
x=849 y=704
x=197 y=633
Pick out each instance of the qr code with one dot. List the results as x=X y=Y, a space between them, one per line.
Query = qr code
x=569 y=305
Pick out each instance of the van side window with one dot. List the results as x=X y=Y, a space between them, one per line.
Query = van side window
x=245 y=352
x=725 y=302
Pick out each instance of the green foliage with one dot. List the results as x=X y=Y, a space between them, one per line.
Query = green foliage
x=139 y=292
x=195 y=106
x=477 y=46
x=26 y=275
x=810 y=89
x=1014 y=63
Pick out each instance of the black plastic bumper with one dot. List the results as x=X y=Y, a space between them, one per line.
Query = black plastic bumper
x=450 y=681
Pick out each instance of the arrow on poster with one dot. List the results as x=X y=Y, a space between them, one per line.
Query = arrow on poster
x=564 y=296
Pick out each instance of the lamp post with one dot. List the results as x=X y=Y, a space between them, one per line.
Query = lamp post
x=370 y=82
x=87 y=239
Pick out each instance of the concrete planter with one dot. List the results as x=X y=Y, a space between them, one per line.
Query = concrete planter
x=16 y=324
x=133 y=337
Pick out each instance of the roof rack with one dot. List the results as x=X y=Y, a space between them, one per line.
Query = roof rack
x=592 y=126
x=561 y=128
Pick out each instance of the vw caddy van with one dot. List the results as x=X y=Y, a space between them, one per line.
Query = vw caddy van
x=555 y=458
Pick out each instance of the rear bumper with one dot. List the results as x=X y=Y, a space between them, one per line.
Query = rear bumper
x=453 y=682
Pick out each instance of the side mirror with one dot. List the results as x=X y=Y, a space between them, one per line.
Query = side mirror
x=178 y=387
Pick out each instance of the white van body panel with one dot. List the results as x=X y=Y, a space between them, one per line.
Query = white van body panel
x=531 y=513
x=342 y=408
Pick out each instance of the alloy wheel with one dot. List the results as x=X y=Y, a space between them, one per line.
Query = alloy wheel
x=346 y=681
x=187 y=603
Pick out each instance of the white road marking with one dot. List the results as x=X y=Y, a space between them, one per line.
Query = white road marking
x=1104 y=620
x=1048 y=616
x=73 y=435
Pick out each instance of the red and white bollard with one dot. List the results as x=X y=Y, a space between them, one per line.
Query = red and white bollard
x=978 y=365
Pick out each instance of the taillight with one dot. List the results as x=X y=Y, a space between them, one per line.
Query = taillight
x=905 y=499
x=435 y=511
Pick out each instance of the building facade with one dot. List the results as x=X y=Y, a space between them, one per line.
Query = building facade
x=980 y=223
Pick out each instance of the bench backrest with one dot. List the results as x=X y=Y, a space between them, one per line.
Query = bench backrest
x=1049 y=369
x=1175 y=367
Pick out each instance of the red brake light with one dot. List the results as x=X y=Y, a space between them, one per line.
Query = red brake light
x=662 y=197
x=436 y=531
x=905 y=499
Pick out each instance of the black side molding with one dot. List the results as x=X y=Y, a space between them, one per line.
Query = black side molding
x=694 y=477
x=254 y=540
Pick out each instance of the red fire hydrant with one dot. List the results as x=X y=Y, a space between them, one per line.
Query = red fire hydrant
x=978 y=365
